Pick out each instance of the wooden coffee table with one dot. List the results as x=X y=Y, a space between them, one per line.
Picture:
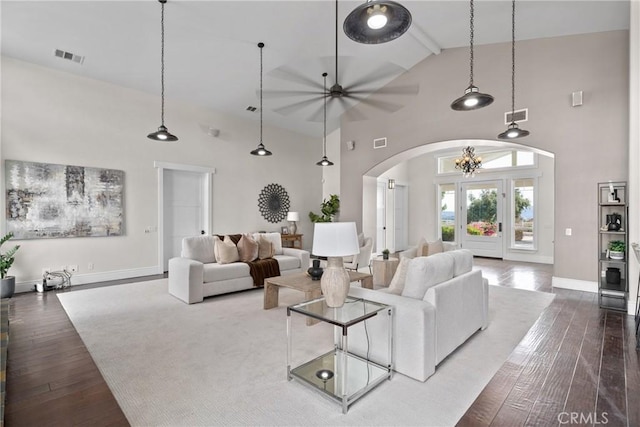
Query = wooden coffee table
x=302 y=282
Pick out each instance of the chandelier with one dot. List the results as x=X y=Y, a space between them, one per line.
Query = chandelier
x=469 y=163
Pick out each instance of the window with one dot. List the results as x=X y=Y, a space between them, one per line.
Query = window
x=491 y=160
x=448 y=212
x=522 y=232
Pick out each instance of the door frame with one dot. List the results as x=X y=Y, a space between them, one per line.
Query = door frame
x=207 y=198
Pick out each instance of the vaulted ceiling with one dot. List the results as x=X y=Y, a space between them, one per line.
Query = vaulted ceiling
x=212 y=58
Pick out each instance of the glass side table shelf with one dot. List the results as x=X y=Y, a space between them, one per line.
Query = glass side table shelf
x=342 y=376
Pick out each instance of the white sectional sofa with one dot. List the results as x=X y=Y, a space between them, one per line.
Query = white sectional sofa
x=196 y=274
x=443 y=303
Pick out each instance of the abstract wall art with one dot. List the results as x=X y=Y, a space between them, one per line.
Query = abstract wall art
x=46 y=200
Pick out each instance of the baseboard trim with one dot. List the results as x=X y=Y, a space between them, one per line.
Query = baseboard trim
x=574 y=284
x=83 y=279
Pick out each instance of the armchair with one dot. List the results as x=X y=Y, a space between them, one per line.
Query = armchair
x=363 y=258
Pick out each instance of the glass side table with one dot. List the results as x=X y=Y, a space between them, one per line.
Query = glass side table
x=340 y=375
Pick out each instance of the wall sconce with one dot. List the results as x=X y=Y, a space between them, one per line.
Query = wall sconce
x=392 y=184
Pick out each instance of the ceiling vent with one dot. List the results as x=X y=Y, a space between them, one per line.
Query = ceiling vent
x=252 y=108
x=517 y=116
x=68 y=56
x=379 y=143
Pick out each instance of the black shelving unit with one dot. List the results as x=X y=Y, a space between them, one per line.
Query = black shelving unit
x=613 y=286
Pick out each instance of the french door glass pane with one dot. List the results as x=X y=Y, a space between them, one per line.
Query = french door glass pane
x=482 y=208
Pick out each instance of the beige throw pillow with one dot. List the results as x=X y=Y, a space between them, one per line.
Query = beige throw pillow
x=247 y=248
x=421 y=247
x=397 y=282
x=227 y=251
x=265 y=248
x=434 y=247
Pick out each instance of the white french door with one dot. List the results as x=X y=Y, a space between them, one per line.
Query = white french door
x=481 y=218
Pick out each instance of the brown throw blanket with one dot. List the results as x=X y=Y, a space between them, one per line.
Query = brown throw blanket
x=259 y=269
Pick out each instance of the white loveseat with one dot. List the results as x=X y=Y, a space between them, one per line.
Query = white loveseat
x=196 y=274
x=443 y=303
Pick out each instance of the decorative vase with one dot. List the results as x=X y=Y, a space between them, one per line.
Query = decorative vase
x=385 y=256
x=335 y=282
x=613 y=275
x=316 y=271
x=293 y=228
x=7 y=287
x=616 y=255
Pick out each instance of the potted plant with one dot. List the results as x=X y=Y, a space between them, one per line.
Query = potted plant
x=329 y=210
x=7 y=283
x=616 y=249
x=385 y=254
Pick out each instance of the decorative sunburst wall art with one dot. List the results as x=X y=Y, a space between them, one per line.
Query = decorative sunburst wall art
x=46 y=200
x=273 y=203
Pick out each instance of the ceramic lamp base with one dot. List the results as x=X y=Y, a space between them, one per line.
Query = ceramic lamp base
x=335 y=282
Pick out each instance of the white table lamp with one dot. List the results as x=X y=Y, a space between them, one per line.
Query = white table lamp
x=293 y=217
x=335 y=240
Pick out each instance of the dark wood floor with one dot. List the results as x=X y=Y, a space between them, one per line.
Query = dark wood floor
x=576 y=366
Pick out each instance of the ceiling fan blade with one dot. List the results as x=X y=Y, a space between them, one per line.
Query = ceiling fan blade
x=391 y=90
x=286 y=93
x=290 y=75
x=288 y=109
x=387 y=70
x=351 y=113
x=389 y=107
x=317 y=115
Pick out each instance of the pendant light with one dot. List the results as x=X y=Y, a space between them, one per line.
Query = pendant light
x=261 y=151
x=162 y=134
x=324 y=161
x=472 y=99
x=513 y=131
x=377 y=21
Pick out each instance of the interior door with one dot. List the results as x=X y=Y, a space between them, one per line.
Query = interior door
x=482 y=218
x=184 y=210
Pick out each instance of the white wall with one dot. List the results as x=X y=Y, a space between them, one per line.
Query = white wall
x=331 y=174
x=55 y=117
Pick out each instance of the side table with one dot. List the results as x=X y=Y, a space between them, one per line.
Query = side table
x=292 y=240
x=383 y=270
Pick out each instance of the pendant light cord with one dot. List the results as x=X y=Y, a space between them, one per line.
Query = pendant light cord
x=513 y=59
x=261 y=93
x=471 y=43
x=162 y=64
x=336 y=77
x=324 y=138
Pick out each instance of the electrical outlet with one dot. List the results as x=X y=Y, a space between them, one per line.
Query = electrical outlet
x=90 y=266
x=73 y=268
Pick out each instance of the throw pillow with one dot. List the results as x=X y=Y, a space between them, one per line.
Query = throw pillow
x=227 y=251
x=397 y=282
x=199 y=248
x=434 y=247
x=265 y=248
x=421 y=248
x=247 y=248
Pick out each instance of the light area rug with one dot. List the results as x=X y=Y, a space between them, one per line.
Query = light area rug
x=223 y=361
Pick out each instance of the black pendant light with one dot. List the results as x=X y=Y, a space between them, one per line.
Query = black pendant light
x=377 y=21
x=472 y=99
x=513 y=131
x=324 y=161
x=162 y=134
x=261 y=151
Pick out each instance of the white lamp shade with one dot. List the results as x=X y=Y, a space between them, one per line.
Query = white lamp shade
x=293 y=216
x=335 y=239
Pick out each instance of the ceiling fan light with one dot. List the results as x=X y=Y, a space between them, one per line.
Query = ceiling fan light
x=377 y=21
x=162 y=135
x=261 y=151
x=513 y=132
x=472 y=99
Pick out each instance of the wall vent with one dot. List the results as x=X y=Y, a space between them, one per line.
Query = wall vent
x=518 y=116
x=252 y=108
x=379 y=143
x=68 y=56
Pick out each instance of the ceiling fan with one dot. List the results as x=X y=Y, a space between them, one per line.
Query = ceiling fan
x=355 y=91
